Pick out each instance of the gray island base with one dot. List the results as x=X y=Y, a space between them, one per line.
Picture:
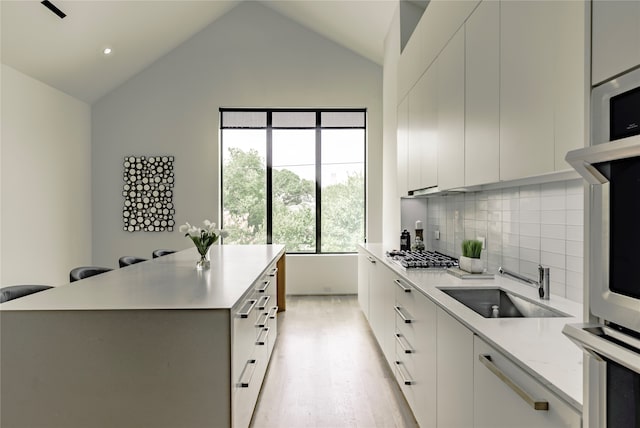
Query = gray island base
x=155 y=344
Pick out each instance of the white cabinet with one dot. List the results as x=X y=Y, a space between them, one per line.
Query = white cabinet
x=402 y=142
x=422 y=152
x=500 y=389
x=482 y=95
x=526 y=93
x=542 y=85
x=615 y=38
x=381 y=304
x=451 y=91
x=455 y=373
x=415 y=346
x=364 y=260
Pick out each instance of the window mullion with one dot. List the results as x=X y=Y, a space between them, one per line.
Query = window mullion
x=269 y=183
x=318 y=183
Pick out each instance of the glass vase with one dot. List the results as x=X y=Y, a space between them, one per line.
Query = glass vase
x=203 y=263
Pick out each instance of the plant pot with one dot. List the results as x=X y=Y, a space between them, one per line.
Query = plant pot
x=470 y=265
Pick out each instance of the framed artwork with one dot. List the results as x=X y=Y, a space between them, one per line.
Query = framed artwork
x=148 y=194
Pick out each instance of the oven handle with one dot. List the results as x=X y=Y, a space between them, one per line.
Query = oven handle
x=593 y=338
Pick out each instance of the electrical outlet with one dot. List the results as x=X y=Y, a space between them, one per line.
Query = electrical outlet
x=436 y=234
x=481 y=239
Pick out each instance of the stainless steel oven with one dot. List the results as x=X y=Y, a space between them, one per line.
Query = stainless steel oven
x=611 y=167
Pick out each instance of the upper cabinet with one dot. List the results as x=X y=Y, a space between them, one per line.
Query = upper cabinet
x=451 y=113
x=503 y=99
x=403 y=145
x=615 y=38
x=482 y=95
x=422 y=151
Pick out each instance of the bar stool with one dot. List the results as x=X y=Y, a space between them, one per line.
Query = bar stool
x=14 y=291
x=83 y=272
x=160 y=253
x=130 y=260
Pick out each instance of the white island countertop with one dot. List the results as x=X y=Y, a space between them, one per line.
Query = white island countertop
x=167 y=282
x=537 y=345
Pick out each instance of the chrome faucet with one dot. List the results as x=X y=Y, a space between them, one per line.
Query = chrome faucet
x=542 y=283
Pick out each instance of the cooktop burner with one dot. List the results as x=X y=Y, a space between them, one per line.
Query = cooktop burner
x=422 y=259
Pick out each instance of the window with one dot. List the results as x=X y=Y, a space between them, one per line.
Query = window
x=294 y=177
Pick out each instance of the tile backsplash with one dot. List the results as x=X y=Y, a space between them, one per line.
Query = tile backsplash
x=522 y=226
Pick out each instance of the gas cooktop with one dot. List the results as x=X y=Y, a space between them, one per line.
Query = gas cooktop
x=422 y=259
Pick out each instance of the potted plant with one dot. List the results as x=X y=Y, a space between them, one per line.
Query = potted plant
x=470 y=260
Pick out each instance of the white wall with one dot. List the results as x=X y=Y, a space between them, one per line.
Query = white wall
x=46 y=182
x=251 y=57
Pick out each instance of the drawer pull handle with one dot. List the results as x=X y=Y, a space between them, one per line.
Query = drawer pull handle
x=404 y=344
x=262 y=320
x=272 y=313
x=263 y=287
x=273 y=272
x=262 y=303
x=262 y=337
x=404 y=287
x=371 y=259
x=405 y=318
x=247 y=374
x=535 y=403
x=247 y=308
x=406 y=379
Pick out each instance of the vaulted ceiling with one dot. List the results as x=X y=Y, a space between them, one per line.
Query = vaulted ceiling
x=68 y=53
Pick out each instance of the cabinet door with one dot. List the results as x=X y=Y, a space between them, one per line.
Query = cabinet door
x=455 y=373
x=381 y=312
x=451 y=113
x=482 y=95
x=615 y=38
x=497 y=405
x=526 y=91
x=364 y=260
x=402 y=146
x=422 y=165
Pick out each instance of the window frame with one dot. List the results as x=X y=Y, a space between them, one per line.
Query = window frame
x=318 y=164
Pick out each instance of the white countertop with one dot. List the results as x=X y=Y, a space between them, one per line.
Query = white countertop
x=168 y=282
x=537 y=345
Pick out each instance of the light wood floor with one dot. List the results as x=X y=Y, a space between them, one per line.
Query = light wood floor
x=328 y=371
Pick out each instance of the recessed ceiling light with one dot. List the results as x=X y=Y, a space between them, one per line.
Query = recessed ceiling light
x=107 y=51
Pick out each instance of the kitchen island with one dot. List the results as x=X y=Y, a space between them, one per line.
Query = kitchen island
x=155 y=344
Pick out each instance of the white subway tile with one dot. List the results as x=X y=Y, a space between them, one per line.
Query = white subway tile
x=552 y=259
x=575 y=279
x=555 y=231
x=530 y=242
x=558 y=289
x=530 y=204
x=551 y=245
x=530 y=217
x=510 y=227
x=575 y=294
x=511 y=204
x=575 y=201
x=494 y=205
x=575 y=186
x=575 y=233
x=529 y=255
x=575 y=248
x=512 y=251
x=530 y=229
x=553 y=217
x=575 y=264
x=553 y=202
x=575 y=217
x=529 y=191
x=510 y=263
x=513 y=216
x=529 y=269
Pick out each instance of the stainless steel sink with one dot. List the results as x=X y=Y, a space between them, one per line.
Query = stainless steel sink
x=498 y=303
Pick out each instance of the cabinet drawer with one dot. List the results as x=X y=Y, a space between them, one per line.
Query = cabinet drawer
x=405 y=294
x=507 y=396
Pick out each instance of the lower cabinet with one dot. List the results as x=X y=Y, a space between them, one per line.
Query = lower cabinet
x=504 y=396
x=455 y=373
